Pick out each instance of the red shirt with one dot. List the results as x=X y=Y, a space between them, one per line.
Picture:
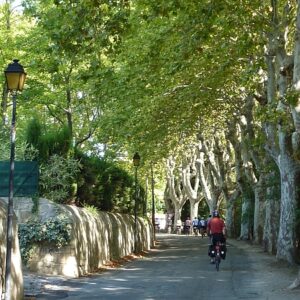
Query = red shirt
x=215 y=225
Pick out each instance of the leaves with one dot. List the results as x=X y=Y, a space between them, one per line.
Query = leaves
x=57 y=176
x=56 y=231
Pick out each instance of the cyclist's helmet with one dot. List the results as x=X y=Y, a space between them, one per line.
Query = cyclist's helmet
x=215 y=213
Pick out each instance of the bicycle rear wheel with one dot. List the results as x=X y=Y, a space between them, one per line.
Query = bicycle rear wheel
x=217 y=261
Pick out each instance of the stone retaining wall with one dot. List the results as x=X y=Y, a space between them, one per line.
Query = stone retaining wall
x=16 y=266
x=95 y=239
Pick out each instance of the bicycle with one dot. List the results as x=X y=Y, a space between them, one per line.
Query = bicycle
x=218 y=252
x=218 y=256
x=202 y=232
x=196 y=231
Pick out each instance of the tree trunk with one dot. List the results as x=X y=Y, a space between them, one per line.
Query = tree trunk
x=194 y=209
x=245 y=222
x=272 y=207
x=243 y=175
x=230 y=213
x=190 y=181
x=272 y=214
x=4 y=116
x=69 y=110
x=219 y=164
x=289 y=173
x=175 y=190
x=177 y=214
x=207 y=182
x=259 y=210
x=229 y=220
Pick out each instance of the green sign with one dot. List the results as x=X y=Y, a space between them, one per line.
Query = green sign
x=26 y=174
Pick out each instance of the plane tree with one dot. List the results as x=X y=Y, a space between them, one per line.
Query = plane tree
x=69 y=44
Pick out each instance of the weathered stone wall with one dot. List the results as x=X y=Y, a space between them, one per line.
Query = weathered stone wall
x=16 y=266
x=96 y=238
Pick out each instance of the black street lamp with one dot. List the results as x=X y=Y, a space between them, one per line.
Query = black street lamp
x=15 y=79
x=136 y=162
x=153 y=202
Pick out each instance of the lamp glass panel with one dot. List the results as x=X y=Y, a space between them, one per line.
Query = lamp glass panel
x=136 y=162
x=12 y=80
x=22 y=81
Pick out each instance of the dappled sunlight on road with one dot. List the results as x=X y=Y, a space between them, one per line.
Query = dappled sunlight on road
x=166 y=258
x=131 y=269
x=60 y=287
x=178 y=269
x=119 y=279
x=115 y=288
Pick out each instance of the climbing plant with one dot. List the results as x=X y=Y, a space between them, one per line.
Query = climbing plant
x=56 y=231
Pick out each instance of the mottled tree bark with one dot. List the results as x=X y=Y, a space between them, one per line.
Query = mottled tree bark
x=175 y=189
x=207 y=183
x=259 y=210
x=190 y=180
x=272 y=212
x=285 y=151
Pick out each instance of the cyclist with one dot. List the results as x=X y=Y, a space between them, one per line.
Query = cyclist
x=202 y=226
x=216 y=230
x=195 y=225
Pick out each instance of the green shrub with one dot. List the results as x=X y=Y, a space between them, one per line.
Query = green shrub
x=33 y=132
x=23 y=151
x=54 y=140
x=105 y=185
x=57 y=178
x=91 y=209
x=54 y=232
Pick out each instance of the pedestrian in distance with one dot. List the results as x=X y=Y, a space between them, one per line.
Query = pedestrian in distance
x=187 y=226
x=169 y=225
x=178 y=226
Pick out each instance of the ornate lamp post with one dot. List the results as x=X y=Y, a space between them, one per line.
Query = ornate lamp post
x=136 y=162
x=153 y=202
x=15 y=79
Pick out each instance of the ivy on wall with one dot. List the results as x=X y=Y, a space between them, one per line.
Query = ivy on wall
x=56 y=231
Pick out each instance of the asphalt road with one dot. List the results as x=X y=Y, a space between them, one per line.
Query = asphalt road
x=180 y=269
